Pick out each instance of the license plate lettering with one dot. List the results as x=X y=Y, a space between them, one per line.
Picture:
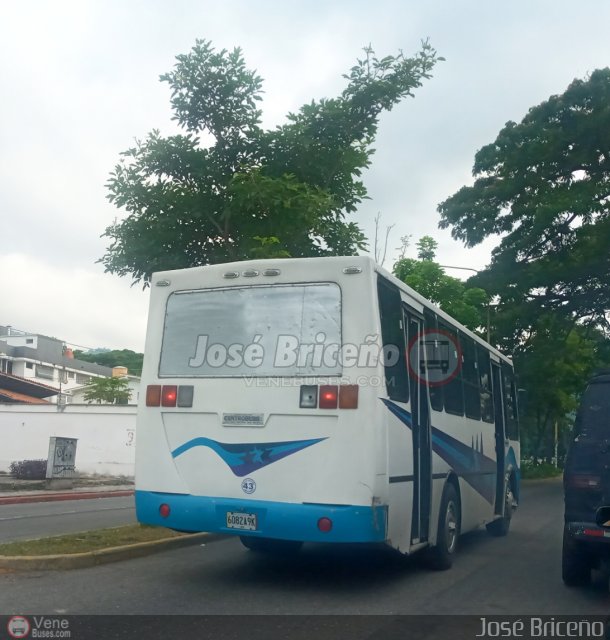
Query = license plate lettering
x=243 y=521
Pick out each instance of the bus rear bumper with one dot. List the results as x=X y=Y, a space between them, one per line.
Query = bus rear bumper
x=279 y=520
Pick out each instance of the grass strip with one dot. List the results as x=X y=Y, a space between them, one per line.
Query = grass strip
x=87 y=541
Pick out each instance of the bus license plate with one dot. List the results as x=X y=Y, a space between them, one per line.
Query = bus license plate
x=243 y=521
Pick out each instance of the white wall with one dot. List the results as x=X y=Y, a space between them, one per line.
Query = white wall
x=105 y=433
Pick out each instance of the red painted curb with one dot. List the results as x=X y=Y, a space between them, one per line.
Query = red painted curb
x=53 y=497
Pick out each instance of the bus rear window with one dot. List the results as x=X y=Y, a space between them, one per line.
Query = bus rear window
x=260 y=331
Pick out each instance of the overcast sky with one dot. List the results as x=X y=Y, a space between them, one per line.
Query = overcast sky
x=80 y=82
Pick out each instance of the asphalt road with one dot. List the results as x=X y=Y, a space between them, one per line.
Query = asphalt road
x=40 y=519
x=517 y=575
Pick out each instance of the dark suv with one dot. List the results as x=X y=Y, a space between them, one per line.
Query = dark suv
x=586 y=481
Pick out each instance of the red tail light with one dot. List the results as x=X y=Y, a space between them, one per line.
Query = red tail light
x=164 y=510
x=328 y=396
x=348 y=396
x=583 y=481
x=153 y=395
x=169 y=395
x=325 y=525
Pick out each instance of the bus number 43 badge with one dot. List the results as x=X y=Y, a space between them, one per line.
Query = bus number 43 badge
x=248 y=485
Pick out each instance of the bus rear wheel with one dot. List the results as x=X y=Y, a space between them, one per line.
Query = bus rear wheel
x=449 y=518
x=269 y=545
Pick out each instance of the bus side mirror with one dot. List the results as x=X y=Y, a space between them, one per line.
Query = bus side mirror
x=602 y=517
x=522 y=402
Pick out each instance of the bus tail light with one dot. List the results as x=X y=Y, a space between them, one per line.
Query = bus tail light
x=348 y=396
x=325 y=525
x=164 y=510
x=169 y=395
x=328 y=396
x=153 y=395
x=309 y=396
x=185 y=395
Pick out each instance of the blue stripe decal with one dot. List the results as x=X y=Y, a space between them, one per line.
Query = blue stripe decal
x=246 y=458
x=470 y=463
x=280 y=520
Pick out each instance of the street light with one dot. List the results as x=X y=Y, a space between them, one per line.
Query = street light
x=446 y=266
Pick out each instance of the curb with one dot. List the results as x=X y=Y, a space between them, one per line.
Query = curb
x=102 y=556
x=54 y=497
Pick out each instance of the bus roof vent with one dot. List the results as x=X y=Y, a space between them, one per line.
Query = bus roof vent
x=231 y=274
x=249 y=273
x=351 y=270
x=271 y=272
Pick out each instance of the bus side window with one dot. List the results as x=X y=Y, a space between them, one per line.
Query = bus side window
x=472 y=399
x=512 y=429
x=452 y=390
x=487 y=407
x=392 y=335
x=436 y=392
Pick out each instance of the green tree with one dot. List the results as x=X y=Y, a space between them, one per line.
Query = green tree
x=108 y=390
x=426 y=248
x=227 y=189
x=543 y=187
x=467 y=305
x=553 y=364
x=114 y=358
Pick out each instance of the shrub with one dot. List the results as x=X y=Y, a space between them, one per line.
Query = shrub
x=29 y=469
x=534 y=469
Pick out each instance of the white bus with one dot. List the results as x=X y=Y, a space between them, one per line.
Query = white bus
x=320 y=400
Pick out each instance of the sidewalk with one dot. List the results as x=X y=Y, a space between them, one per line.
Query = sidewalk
x=38 y=494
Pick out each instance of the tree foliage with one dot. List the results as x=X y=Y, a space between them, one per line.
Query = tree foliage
x=544 y=186
x=467 y=305
x=108 y=391
x=227 y=189
x=114 y=358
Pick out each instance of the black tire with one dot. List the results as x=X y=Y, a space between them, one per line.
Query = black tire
x=440 y=557
x=576 y=563
x=501 y=526
x=268 y=545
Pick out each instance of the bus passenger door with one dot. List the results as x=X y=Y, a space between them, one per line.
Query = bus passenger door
x=500 y=433
x=420 y=415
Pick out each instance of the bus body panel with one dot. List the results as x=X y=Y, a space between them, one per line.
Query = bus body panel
x=297 y=465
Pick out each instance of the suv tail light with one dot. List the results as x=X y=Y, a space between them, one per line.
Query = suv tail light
x=583 y=481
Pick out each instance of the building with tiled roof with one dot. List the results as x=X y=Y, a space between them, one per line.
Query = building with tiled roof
x=34 y=364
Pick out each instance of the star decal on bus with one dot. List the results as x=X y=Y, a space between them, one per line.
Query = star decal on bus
x=245 y=458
